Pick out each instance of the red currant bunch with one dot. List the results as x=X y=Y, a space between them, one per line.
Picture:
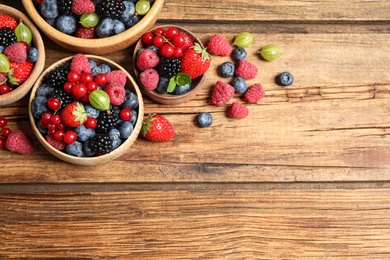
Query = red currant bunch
x=4 y=131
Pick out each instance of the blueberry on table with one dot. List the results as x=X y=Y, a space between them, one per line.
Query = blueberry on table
x=285 y=79
x=227 y=69
x=239 y=85
x=239 y=54
x=204 y=119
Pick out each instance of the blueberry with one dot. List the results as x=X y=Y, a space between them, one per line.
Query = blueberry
x=75 y=149
x=130 y=100
x=86 y=150
x=92 y=63
x=284 y=79
x=182 y=89
x=153 y=48
x=239 y=54
x=133 y=119
x=1 y=48
x=84 y=133
x=91 y=111
x=239 y=85
x=44 y=90
x=105 y=28
x=116 y=143
x=204 y=119
x=119 y=27
x=33 y=54
x=66 y=24
x=227 y=69
x=114 y=133
x=102 y=68
x=39 y=105
x=162 y=85
x=41 y=129
x=51 y=21
x=49 y=8
x=128 y=12
x=133 y=21
x=125 y=128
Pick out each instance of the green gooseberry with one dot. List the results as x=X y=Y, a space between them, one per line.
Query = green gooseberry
x=23 y=33
x=4 y=63
x=99 y=99
x=89 y=20
x=243 y=40
x=270 y=52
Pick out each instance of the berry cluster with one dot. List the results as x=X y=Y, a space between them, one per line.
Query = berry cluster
x=91 y=19
x=169 y=60
x=17 y=53
x=14 y=140
x=90 y=112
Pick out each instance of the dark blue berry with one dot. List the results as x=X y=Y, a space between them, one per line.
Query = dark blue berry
x=44 y=90
x=204 y=119
x=239 y=85
x=33 y=54
x=182 y=89
x=239 y=54
x=130 y=101
x=39 y=105
x=49 y=8
x=119 y=27
x=66 y=24
x=84 y=133
x=128 y=12
x=125 y=129
x=162 y=85
x=75 y=149
x=227 y=69
x=91 y=111
x=153 y=48
x=105 y=28
x=285 y=79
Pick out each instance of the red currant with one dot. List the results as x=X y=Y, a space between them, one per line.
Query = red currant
x=167 y=50
x=179 y=40
x=68 y=86
x=45 y=118
x=91 y=123
x=158 y=41
x=2 y=142
x=3 y=122
x=55 y=119
x=159 y=31
x=6 y=131
x=171 y=32
x=86 y=77
x=4 y=89
x=51 y=129
x=126 y=114
x=101 y=79
x=178 y=52
x=92 y=86
x=59 y=134
x=25 y=45
x=79 y=90
x=85 y=99
x=70 y=136
x=148 y=38
x=54 y=103
x=60 y=126
x=73 y=76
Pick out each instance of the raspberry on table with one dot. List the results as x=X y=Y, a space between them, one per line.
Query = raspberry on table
x=222 y=93
x=246 y=70
x=218 y=45
x=237 y=110
x=149 y=79
x=254 y=94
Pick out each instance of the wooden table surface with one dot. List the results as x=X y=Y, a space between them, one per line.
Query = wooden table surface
x=305 y=176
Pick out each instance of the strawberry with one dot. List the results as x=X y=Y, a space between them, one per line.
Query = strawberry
x=8 y=21
x=195 y=61
x=74 y=114
x=19 y=72
x=157 y=128
x=18 y=142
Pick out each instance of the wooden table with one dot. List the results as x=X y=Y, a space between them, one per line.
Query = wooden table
x=306 y=175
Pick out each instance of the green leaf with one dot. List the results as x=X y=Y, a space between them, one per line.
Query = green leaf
x=171 y=85
x=182 y=79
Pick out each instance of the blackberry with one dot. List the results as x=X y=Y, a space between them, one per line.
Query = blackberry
x=169 y=67
x=110 y=8
x=61 y=94
x=7 y=37
x=58 y=77
x=65 y=7
x=100 y=144
x=106 y=120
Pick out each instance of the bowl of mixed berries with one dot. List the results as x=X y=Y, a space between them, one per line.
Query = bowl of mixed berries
x=94 y=26
x=86 y=109
x=170 y=64
x=22 y=55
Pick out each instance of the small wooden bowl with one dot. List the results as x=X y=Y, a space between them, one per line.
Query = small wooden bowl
x=23 y=89
x=169 y=99
x=90 y=161
x=96 y=46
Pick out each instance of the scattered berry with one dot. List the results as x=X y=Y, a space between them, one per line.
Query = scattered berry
x=254 y=94
x=246 y=70
x=285 y=79
x=204 y=119
x=222 y=93
x=239 y=84
x=237 y=110
x=239 y=54
x=18 y=142
x=219 y=45
x=270 y=52
x=157 y=128
x=227 y=69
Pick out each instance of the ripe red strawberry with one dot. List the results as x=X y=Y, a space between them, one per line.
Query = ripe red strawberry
x=86 y=33
x=218 y=45
x=254 y=93
x=195 y=61
x=8 y=21
x=18 y=142
x=19 y=72
x=157 y=128
x=74 y=114
x=222 y=93
x=237 y=110
x=16 y=52
x=80 y=7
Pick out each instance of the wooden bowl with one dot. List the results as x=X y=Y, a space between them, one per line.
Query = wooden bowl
x=96 y=46
x=169 y=99
x=90 y=161
x=23 y=89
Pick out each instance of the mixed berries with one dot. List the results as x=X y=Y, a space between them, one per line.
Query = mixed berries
x=83 y=108
x=17 y=53
x=90 y=19
x=170 y=60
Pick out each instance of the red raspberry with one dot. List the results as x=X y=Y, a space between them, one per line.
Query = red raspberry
x=218 y=45
x=117 y=76
x=3 y=77
x=86 y=33
x=246 y=70
x=254 y=93
x=16 y=52
x=237 y=110
x=222 y=93
x=147 y=59
x=59 y=145
x=149 y=78
x=116 y=92
x=80 y=64
x=188 y=42
x=80 y=7
x=18 y=142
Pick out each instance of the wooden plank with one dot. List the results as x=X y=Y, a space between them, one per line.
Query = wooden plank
x=233 y=224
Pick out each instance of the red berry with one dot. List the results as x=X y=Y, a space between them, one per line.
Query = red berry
x=55 y=119
x=4 y=89
x=159 y=31
x=2 y=142
x=70 y=136
x=86 y=77
x=73 y=76
x=6 y=131
x=92 y=86
x=25 y=45
x=91 y=123
x=101 y=79
x=3 y=122
x=59 y=134
x=126 y=114
x=60 y=126
x=45 y=118
x=167 y=50
x=171 y=32
x=159 y=41
x=68 y=86
x=79 y=90
x=85 y=99
x=148 y=38
x=54 y=103
x=178 y=52
x=179 y=40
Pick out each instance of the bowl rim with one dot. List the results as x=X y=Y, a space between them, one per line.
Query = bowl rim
x=94 y=160
x=21 y=91
x=155 y=9
x=169 y=99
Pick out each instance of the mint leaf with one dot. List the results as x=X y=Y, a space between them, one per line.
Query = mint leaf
x=171 y=85
x=182 y=79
